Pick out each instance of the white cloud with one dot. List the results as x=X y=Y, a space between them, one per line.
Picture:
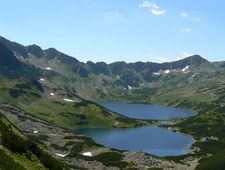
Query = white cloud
x=185 y=30
x=158 y=12
x=155 y=9
x=151 y=49
x=113 y=14
x=149 y=5
x=184 y=14
x=196 y=19
x=184 y=54
x=162 y=59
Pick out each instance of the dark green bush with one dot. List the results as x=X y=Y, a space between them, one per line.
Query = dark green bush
x=7 y=162
x=19 y=144
x=111 y=159
x=15 y=93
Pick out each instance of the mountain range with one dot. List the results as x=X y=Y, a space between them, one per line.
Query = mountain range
x=100 y=78
x=143 y=82
x=59 y=89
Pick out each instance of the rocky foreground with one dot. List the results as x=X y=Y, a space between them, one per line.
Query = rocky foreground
x=80 y=152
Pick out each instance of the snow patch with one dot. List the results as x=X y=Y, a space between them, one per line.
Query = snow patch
x=156 y=73
x=48 y=68
x=87 y=154
x=60 y=155
x=129 y=87
x=41 y=79
x=193 y=76
x=68 y=100
x=52 y=94
x=35 y=131
x=167 y=71
x=185 y=69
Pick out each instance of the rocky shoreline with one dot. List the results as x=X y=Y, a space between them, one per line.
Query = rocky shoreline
x=60 y=142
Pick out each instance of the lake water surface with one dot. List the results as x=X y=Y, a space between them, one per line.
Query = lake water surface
x=145 y=111
x=150 y=139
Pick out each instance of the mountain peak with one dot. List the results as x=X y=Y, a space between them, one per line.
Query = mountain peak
x=52 y=53
x=191 y=60
x=35 y=50
x=7 y=58
x=197 y=59
x=13 y=46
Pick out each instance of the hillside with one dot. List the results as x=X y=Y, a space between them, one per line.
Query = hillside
x=13 y=68
x=20 y=153
x=36 y=91
x=54 y=104
x=102 y=80
x=61 y=90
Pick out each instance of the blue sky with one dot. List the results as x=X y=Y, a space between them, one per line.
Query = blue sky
x=118 y=30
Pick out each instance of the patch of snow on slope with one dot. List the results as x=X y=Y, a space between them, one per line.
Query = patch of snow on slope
x=48 y=68
x=60 y=155
x=193 y=76
x=68 y=100
x=156 y=73
x=129 y=87
x=87 y=154
x=185 y=69
x=167 y=71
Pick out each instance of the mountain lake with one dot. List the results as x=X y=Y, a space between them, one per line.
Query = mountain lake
x=147 y=111
x=150 y=139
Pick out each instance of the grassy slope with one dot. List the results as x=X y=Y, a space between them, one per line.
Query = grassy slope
x=20 y=153
x=36 y=100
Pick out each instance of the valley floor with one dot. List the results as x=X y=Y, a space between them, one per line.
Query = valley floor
x=70 y=147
